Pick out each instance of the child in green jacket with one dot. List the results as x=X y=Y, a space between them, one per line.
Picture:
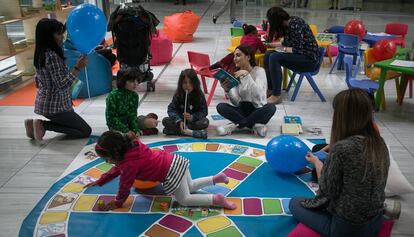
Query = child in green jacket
x=122 y=106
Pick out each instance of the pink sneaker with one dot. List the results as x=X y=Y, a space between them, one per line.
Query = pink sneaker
x=28 y=124
x=220 y=200
x=39 y=130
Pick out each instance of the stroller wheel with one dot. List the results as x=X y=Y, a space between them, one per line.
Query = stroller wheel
x=150 y=86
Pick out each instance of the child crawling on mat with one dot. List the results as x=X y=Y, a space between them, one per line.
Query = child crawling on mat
x=135 y=160
x=122 y=106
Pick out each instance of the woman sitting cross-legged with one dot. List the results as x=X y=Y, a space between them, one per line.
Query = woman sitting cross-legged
x=249 y=107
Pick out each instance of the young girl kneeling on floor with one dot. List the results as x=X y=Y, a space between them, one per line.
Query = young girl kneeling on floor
x=135 y=160
x=194 y=113
x=122 y=106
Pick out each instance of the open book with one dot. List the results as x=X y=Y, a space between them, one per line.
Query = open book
x=222 y=76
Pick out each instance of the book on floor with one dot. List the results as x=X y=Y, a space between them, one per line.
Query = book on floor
x=292 y=119
x=222 y=76
x=291 y=129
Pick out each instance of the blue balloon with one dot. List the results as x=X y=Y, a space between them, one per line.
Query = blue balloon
x=286 y=154
x=86 y=26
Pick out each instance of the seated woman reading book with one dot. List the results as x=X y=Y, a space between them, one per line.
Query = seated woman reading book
x=248 y=108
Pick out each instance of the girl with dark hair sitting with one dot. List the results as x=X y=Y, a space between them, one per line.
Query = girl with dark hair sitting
x=187 y=119
x=53 y=81
x=122 y=106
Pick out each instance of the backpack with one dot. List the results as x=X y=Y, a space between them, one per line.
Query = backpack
x=132 y=27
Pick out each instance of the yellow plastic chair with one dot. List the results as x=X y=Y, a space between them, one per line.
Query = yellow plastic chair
x=259 y=58
x=374 y=73
x=314 y=29
x=325 y=44
x=235 y=41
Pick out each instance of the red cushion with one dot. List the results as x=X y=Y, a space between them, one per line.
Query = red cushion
x=302 y=230
x=161 y=49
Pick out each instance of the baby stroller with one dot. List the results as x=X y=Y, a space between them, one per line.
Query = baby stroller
x=132 y=26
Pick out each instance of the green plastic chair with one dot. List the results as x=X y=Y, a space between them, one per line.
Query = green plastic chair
x=235 y=31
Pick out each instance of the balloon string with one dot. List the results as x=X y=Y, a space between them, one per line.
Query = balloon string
x=87 y=83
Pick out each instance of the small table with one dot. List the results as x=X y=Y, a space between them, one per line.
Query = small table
x=326 y=40
x=385 y=66
x=371 y=39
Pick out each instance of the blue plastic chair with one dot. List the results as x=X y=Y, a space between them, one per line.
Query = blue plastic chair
x=309 y=77
x=347 y=45
x=335 y=29
x=99 y=72
x=367 y=85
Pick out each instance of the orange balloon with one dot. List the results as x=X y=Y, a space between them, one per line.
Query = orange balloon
x=355 y=27
x=139 y=184
x=384 y=49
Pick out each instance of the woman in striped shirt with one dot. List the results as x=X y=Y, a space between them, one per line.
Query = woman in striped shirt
x=53 y=81
x=135 y=160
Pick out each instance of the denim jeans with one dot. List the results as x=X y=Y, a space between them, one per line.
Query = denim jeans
x=246 y=115
x=69 y=123
x=274 y=61
x=326 y=224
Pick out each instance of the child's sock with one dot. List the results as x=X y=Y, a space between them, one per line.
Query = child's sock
x=220 y=178
x=220 y=200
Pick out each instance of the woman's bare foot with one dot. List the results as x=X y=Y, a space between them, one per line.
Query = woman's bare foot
x=273 y=99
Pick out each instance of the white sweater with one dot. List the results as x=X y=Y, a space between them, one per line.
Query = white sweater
x=252 y=88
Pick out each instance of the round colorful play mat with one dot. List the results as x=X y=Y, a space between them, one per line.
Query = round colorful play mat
x=262 y=197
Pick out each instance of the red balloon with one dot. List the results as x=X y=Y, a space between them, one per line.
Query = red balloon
x=355 y=27
x=384 y=49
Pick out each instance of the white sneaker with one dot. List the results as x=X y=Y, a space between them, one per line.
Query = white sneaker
x=260 y=129
x=226 y=129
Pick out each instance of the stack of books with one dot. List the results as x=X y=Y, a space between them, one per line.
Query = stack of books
x=292 y=125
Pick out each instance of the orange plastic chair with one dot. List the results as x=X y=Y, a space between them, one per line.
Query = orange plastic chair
x=400 y=29
x=201 y=63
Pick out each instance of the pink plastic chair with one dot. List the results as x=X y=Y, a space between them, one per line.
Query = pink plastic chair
x=201 y=63
x=400 y=29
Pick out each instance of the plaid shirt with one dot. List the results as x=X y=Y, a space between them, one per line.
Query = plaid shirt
x=53 y=83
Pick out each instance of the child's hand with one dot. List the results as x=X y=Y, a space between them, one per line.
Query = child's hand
x=311 y=158
x=182 y=126
x=108 y=207
x=188 y=116
x=131 y=135
x=91 y=184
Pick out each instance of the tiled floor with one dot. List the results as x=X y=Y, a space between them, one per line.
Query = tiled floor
x=27 y=169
